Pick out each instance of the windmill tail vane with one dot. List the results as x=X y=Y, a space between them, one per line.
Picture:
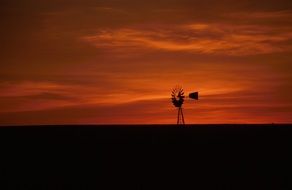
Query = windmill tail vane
x=194 y=95
x=177 y=98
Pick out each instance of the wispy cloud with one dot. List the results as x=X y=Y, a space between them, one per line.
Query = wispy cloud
x=205 y=38
x=260 y=15
x=233 y=107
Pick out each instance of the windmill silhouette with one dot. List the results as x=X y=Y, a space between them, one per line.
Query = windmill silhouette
x=177 y=98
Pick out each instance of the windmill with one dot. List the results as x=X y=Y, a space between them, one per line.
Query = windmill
x=177 y=98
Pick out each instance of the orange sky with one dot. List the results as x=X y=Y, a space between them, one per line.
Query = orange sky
x=115 y=62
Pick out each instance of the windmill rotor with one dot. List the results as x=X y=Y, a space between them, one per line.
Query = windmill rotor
x=177 y=96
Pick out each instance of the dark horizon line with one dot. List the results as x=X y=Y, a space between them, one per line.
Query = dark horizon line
x=141 y=125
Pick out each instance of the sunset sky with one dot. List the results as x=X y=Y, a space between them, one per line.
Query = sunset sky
x=116 y=61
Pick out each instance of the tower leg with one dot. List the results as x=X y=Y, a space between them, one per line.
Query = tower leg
x=182 y=116
x=178 y=116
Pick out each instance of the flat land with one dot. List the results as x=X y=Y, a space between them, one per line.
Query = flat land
x=146 y=157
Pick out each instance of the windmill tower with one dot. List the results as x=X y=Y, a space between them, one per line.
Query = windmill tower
x=177 y=98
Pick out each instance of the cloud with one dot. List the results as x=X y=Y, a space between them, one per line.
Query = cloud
x=233 y=107
x=33 y=95
x=134 y=112
x=199 y=38
x=260 y=15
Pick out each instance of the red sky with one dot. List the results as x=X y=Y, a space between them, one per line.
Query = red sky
x=115 y=62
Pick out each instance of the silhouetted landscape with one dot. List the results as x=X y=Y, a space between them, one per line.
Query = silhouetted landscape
x=146 y=157
x=66 y=64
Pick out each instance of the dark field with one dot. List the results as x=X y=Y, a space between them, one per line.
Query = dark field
x=146 y=157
